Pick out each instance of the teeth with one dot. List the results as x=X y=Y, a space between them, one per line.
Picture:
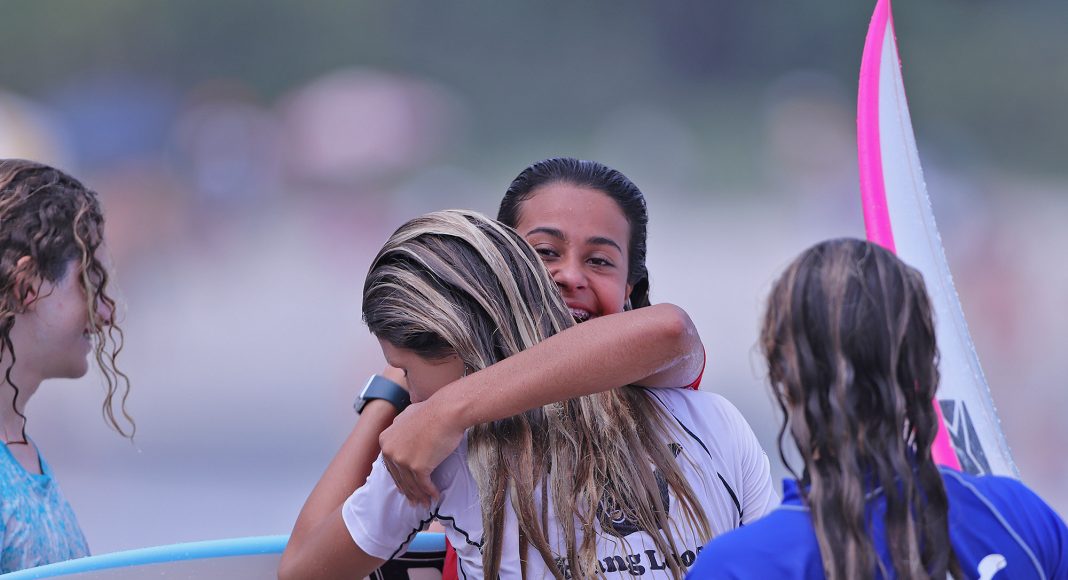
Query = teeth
x=580 y=315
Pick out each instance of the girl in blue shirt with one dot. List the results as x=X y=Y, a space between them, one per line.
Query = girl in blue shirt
x=853 y=363
x=54 y=311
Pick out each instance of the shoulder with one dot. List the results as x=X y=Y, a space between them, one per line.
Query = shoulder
x=712 y=421
x=459 y=498
x=446 y=476
x=20 y=491
x=453 y=471
x=708 y=416
x=1002 y=513
x=699 y=403
x=991 y=492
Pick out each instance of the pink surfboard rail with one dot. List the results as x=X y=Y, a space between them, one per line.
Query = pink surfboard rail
x=872 y=181
x=869 y=150
x=898 y=215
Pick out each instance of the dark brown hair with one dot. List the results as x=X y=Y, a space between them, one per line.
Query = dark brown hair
x=850 y=344
x=53 y=219
x=599 y=177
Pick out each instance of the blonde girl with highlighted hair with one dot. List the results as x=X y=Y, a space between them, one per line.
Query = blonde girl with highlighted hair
x=626 y=481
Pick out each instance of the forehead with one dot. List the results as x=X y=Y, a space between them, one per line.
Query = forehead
x=405 y=358
x=395 y=356
x=579 y=212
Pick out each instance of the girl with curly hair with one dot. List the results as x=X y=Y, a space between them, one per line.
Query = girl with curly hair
x=54 y=311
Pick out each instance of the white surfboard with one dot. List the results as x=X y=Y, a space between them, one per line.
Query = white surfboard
x=253 y=558
x=898 y=216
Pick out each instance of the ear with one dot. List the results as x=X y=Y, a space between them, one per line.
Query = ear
x=26 y=281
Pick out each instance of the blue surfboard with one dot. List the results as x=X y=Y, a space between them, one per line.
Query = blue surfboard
x=254 y=558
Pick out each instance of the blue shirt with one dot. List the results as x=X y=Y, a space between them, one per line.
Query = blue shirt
x=998 y=527
x=37 y=525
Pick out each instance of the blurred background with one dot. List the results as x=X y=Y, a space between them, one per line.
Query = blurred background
x=253 y=155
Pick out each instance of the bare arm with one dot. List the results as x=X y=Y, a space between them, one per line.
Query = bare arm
x=347 y=472
x=327 y=552
x=655 y=346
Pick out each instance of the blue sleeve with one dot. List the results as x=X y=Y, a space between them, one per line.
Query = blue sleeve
x=1050 y=534
x=1040 y=527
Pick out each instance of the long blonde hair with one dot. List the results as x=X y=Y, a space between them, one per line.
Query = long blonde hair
x=456 y=282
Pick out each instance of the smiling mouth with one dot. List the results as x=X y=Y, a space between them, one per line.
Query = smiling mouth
x=580 y=315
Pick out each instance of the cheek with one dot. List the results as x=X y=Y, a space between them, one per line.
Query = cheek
x=415 y=388
x=69 y=311
x=611 y=293
x=422 y=386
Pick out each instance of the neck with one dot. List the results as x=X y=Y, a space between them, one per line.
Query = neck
x=12 y=410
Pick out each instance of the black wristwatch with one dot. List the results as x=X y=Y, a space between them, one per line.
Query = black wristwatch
x=379 y=387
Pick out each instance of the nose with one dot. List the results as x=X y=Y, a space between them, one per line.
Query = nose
x=105 y=312
x=570 y=275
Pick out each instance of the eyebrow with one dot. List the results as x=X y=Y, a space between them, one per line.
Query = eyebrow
x=549 y=231
x=593 y=240
x=602 y=241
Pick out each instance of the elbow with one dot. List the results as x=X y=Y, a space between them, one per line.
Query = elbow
x=679 y=345
x=675 y=329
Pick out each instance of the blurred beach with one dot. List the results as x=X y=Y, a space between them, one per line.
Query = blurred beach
x=253 y=156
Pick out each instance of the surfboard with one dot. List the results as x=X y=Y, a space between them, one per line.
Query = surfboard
x=898 y=216
x=254 y=558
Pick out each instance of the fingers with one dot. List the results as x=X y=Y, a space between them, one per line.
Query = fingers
x=411 y=454
x=416 y=486
x=428 y=486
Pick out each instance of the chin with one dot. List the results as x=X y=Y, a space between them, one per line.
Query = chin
x=75 y=371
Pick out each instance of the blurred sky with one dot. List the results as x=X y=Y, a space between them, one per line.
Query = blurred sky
x=253 y=155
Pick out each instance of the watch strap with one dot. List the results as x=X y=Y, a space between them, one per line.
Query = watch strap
x=379 y=387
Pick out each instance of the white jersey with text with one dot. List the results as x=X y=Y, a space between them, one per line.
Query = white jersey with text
x=718 y=455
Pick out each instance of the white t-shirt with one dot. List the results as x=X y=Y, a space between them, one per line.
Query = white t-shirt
x=727 y=469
